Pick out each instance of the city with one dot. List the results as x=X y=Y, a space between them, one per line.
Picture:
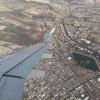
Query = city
x=71 y=61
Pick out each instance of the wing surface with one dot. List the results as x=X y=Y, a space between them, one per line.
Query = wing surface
x=14 y=69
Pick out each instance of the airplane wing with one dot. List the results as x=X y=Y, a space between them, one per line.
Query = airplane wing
x=14 y=69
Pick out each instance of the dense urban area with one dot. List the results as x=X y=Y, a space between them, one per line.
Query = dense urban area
x=77 y=33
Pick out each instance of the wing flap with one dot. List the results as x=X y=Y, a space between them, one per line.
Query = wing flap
x=8 y=89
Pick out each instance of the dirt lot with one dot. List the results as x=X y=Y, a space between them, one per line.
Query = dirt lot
x=21 y=27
